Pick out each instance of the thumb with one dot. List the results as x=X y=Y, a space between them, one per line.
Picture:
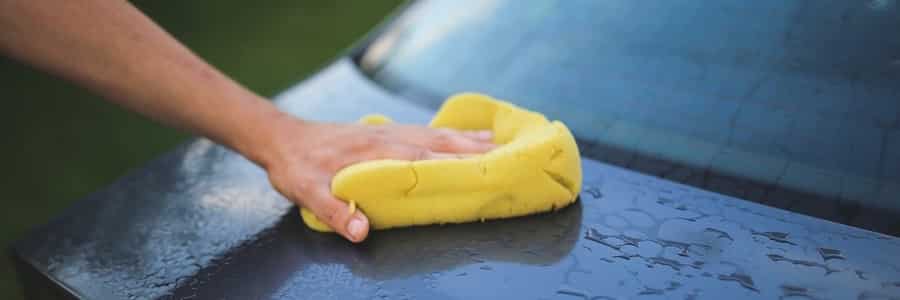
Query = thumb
x=346 y=221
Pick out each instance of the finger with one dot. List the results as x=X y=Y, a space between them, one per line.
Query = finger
x=351 y=224
x=444 y=155
x=479 y=135
x=387 y=151
x=458 y=143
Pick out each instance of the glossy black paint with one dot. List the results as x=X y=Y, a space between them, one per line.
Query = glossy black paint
x=202 y=222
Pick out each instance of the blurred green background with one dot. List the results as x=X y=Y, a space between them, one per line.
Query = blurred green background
x=63 y=143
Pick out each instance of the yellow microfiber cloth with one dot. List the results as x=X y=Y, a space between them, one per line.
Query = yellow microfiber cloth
x=535 y=168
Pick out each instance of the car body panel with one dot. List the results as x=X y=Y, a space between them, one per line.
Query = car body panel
x=794 y=104
x=203 y=222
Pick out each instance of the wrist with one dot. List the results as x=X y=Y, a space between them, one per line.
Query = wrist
x=269 y=145
x=257 y=130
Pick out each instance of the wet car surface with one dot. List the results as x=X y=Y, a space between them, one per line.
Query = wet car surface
x=794 y=104
x=202 y=222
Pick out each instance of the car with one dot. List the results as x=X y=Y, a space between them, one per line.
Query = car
x=739 y=149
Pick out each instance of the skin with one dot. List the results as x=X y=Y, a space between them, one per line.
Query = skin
x=111 y=48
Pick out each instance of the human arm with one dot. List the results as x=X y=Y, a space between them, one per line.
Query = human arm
x=111 y=48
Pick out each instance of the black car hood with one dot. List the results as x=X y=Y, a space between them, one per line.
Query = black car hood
x=203 y=222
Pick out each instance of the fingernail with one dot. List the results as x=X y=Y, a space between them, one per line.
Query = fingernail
x=356 y=228
x=485 y=134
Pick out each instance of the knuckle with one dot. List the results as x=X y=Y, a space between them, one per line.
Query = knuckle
x=365 y=144
x=372 y=141
x=443 y=140
x=330 y=215
x=380 y=130
x=422 y=154
x=394 y=150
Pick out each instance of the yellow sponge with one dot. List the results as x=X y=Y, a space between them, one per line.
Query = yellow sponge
x=536 y=168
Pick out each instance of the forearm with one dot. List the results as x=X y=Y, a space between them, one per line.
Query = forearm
x=111 y=48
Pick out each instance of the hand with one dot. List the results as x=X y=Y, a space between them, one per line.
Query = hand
x=307 y=155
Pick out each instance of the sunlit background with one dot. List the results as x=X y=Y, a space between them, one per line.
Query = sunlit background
x=61 y=143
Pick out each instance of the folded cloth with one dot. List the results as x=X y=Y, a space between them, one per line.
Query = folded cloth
x=535 y=168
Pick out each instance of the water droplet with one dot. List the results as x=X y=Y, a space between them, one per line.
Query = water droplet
x=616 y=221
x=629 y=250
x=779 y=258
x=606 y=240
x=649 y=249
x=719 y=233
x=651 y=291
x=742 y=279
x=779 y=237
x=666 y=262
x=565 y=290
x=594 y=192
x=634 y=236
x=638 y=218
x=664 y=201
x=830 y=254
x=795 y=291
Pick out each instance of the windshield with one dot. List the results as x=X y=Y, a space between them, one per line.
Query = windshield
x=790 y=103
